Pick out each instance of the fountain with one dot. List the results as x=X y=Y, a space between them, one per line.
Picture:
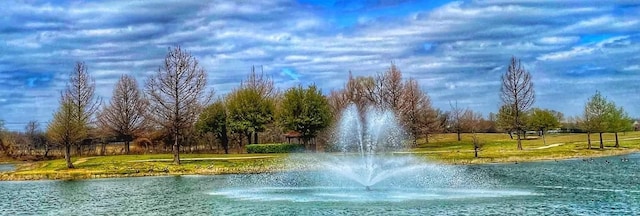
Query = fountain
x=371 y=164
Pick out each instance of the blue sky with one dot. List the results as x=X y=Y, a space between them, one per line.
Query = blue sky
x=457 y=50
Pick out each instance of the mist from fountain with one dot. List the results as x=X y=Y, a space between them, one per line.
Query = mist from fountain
x=371 y=164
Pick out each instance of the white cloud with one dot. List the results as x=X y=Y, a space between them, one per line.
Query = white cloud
x=470 y=43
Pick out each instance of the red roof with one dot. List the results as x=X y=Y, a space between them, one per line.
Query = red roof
x=292 y=134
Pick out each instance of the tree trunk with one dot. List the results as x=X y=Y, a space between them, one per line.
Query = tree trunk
x=248 y=138
x=510 y=134
x=224 y=140
x=544 y=140
x=601 y=143
x=46 y=150
x=126 y=147
x=617 y=143
x=588 y=140
x=519 y=141
x=475 y=150
x=255 y=138
x=67 y=155
x=459 y=138
x=176 y=151
x=426 y=138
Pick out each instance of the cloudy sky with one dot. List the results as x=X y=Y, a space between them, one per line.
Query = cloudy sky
x=457 y=50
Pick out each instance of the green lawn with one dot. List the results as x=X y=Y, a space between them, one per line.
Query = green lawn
x=147 y=165
x=500 y=148
x=442 y=148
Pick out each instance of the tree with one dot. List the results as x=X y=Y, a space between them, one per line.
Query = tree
x=595 y=114
x=65 y=128
x=504 y=119
x=35 y=137
x=617 y=120
x=543 y=120
x=471 y=121
x=265 y=88
x=213 y=119
x=517 y=93
x=124 y=117
x=391 y=89
x=417 y=115
x=305 y=110
x=176 y=95
x=80 y=93
x=248 y=112
x=455 y=119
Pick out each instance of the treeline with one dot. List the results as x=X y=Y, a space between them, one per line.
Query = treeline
x=174 y=112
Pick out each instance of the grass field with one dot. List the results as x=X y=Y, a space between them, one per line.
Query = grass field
x=146 y=165
x=500 y=148
x=443 y=148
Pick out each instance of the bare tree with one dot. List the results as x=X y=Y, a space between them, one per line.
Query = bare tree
x=124 y=116
x=455 y=119
x=261 y=83
x=391 y=88
x=417 y=114
x=517 y=93
x=80 y=93
x=176 y=95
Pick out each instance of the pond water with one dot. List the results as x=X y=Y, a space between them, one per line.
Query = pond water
x=608 y=186
x=6 y=167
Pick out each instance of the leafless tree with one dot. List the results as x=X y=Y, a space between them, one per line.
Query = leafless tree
x=261 y=83
x=517 y=93
x=124 y=117
x=455 y=119
x=417 y=114
x=391 y=88
x=80 y=93
x=177 y=95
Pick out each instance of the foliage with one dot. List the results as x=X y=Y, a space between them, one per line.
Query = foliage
x=274 y=148
x=305 y=110
x=248 y=111
x=213 y=119
x=66 y=129
x=542 y=119
x=504 y=118
x=595 y=113
x=617 y=119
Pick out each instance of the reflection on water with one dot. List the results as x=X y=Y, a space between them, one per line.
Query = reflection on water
x=604 y=186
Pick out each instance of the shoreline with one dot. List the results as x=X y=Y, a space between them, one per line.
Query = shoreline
x=79 y=174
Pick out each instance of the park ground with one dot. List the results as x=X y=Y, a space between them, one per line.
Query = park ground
x=441 y=148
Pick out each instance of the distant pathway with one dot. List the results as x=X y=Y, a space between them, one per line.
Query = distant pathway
x=559 y=144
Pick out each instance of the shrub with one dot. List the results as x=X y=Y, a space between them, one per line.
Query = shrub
x=274 y=148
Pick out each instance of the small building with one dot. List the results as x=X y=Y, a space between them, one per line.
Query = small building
x=293 y=135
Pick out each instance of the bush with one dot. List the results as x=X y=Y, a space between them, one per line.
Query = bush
x=274 y=148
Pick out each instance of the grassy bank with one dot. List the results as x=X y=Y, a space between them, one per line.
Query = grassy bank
x=146 y=165
x=444 y=148
x=500 y=148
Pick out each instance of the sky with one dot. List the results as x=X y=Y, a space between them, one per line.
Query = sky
x=456 y=50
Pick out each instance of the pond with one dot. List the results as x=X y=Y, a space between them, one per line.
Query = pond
x=602 y=186
x=6 y=167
